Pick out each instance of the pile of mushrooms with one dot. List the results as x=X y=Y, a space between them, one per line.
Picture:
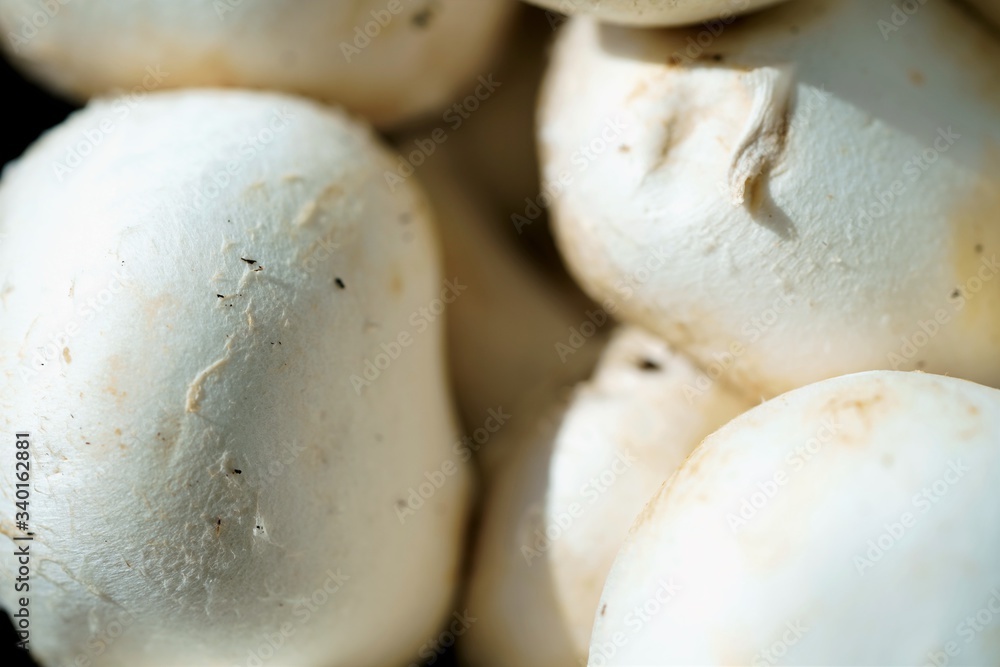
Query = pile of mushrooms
x=557 y=333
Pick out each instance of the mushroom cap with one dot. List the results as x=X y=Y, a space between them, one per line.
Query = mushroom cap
x=849 y=522
x=197 y=324
x=556 y=515
x=801 y=199
x=656 y=12
x=389 y=60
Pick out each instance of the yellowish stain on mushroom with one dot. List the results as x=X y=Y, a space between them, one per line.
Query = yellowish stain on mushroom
x=251 y=323
x=676 y=129
x=655 y=505
x=196 y=388
x=861 y=409
x=396 y=283
x=638 y=91
x=312 y=210
x=66 y=355
x=975 y=238
x=306 y=214
x=7 y=529
x=216 y=68
x=5 y=291
x=157 y=308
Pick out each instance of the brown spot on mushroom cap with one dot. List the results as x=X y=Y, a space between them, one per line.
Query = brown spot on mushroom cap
x=638 y=91
x=861 y=404
x=975 y=239
x=647 y=364
x=710 y=57
x=423 y=17
x=854 y=413
x=213 y=66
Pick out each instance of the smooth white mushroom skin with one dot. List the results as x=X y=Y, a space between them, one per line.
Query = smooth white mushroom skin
x=656 y=12
x=559 y=511
x=850 y=522
x=184 y=314
x=389 y=60
x=507 y=319
x=801 y=199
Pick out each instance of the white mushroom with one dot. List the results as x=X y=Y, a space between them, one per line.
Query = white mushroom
x=389 y=60
x=656 y=12
x=509 y=326
x=562 y=506
x=813 y=193
x=206 y=328
x=850 y=522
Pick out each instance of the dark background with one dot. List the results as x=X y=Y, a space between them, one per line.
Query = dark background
x=10 y=654
x=29 y=111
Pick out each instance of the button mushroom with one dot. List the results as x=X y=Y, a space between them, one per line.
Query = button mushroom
x=562 y=505
x=850 y=522
x=657 y=12
x=390 y=60
x=778 y=205
x=206 y=330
